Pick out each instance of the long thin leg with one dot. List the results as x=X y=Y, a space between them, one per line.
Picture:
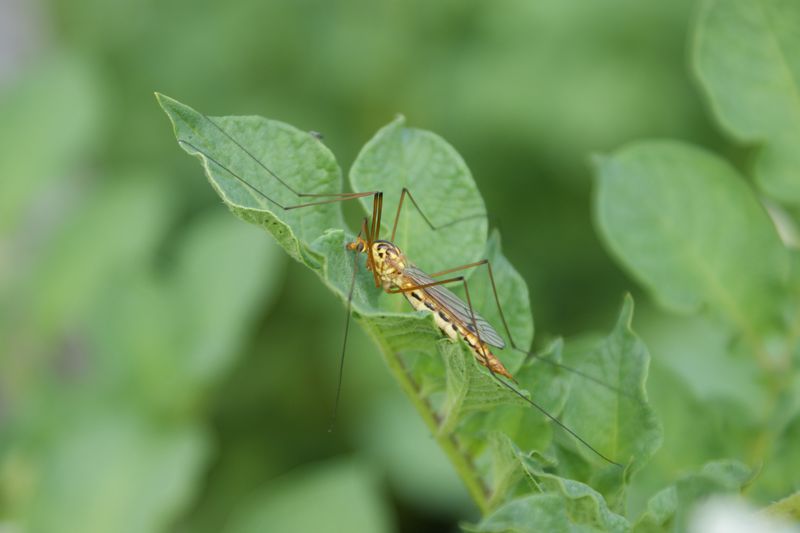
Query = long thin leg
x=372 y=235
x=266 y=168
x=344 y=342
x=377 y=205
x=508 y=329
x=376 y=225
x=494 y=374
x=405 y=193
x=338 y=197
x=313 y=195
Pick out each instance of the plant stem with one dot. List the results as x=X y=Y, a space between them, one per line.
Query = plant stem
x=447 y=441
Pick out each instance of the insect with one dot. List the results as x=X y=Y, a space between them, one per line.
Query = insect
x=394 y=272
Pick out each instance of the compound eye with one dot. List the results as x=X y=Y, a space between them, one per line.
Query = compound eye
x=360 y=247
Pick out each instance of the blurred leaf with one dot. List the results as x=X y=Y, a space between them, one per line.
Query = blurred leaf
x=174 y=339
x=239 y=272
x=45 y=314
x=688 y=227
x=116 y=332
x=116 y=472
x=779 y=443
x=668 y=510
x=699 y=350
x=787 y=508
x=417 y=470
x=747 y=56
x=88 y=250
x=332 y=497
x=41 y=138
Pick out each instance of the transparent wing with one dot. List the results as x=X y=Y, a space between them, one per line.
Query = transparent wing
x=456 y=306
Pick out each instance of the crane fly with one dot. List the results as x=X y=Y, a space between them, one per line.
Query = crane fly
x=394 y=273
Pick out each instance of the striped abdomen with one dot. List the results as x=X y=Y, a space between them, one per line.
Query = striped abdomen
x=452 y=326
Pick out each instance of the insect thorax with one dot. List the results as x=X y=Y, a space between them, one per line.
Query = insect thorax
x=389 y=261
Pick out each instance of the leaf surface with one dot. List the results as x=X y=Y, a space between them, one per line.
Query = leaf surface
x=461 y=403
x=690 y=230
x=747 y=56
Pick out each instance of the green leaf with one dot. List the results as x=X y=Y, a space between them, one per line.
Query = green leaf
x=185 y=339
x=787 y=508
x=690 y=230
x=509 y=471
x=669 y=509
x=620 y=423
x=35 y=146
x=567 y=505
x=783 y=460
x=87 y=251
x=439 y=181
x=299 y=158
x=747 y=57
x=338 y=496
x=394 y=437
x=696 y=430
x=116 y=472
x=699 y=350
x=516 y=302
x=240 y=272
x=133 y=334
x=469 y=387
x=460 y=402
x=549 y=386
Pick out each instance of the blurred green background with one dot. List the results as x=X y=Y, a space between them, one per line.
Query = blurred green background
x=164 y=366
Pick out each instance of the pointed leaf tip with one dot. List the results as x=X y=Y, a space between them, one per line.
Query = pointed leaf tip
x=625 y=319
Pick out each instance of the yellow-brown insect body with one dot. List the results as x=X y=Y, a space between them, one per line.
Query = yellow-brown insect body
x=389 y=262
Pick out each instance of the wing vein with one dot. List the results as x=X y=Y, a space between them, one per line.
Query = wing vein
x=455 y=306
